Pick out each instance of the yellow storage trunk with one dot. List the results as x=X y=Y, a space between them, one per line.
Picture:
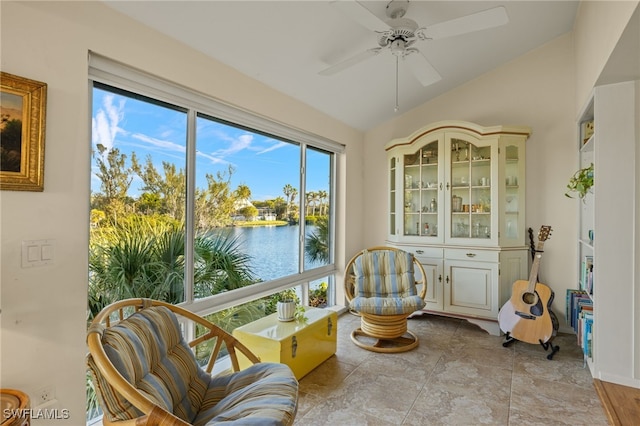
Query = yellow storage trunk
x=302 y=345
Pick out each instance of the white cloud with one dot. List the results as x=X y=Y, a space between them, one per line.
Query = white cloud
x=159 y=143
x=213 y=159
x=105 y=123
x=173 y=147
x=235 y=145
x=273 y=147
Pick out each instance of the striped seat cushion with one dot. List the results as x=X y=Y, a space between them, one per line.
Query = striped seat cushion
x=264 y=394
x=149 y=351
x=385 y=283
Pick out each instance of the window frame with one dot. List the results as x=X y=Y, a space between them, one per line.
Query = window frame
x=105 y=71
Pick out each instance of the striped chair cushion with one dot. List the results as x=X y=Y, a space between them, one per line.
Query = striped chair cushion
x=149 y=351
x=264 y=394
x=385 y=283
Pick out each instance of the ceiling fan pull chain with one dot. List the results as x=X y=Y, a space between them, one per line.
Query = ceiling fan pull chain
x=397 y=107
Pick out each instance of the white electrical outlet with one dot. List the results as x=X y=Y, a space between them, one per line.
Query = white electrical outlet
x=45 y=395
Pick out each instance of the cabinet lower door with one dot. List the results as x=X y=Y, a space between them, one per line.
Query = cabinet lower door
x=471 y=288
x=433 y=269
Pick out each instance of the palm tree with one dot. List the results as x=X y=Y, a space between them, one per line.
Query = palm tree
x=322 y=195
x=310 y=200
x=290 y=192
x=144 y=257
x=317 y=244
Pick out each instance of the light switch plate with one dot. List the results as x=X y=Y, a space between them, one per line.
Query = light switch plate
x=37 y=253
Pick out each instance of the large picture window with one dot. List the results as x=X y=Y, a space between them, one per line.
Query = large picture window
x=262 y=201
x=196 y=203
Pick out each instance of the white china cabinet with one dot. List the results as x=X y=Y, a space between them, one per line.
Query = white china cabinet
x=456 y=200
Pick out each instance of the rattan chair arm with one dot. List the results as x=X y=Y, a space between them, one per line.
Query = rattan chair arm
x=157 y=417
x=423 y=290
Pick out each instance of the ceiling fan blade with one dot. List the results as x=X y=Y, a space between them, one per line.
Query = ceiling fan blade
x=333 y=69
x=490 y=18
x=361 y=15
x=422 y=68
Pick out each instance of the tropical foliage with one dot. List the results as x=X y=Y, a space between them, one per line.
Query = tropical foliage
x=144 y=257
x=317 y=244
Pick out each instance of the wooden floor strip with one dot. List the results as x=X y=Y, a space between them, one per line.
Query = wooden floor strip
x=621 y=403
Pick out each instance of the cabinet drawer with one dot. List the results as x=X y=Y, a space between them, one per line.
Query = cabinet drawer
x=472 y=254
x=421 y=252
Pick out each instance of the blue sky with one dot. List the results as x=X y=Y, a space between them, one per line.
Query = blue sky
x=262 y=163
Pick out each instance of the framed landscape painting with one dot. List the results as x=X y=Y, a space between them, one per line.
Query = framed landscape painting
x=22 y=126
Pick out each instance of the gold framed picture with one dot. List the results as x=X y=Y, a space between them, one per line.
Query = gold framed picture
x=23 y=104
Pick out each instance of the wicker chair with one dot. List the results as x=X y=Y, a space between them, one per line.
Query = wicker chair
x=381 y=287
x=145 y=373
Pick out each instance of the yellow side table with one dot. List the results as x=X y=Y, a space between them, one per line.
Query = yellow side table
x=301 y=344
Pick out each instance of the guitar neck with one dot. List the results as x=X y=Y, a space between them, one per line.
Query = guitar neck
x=533 y=277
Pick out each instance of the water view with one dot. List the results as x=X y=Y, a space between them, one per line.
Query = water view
x=273 y=249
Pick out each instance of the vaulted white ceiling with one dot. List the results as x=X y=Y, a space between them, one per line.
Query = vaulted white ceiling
x=285 y=44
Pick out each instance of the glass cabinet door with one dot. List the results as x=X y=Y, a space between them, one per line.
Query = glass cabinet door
x=392 y=196
x=512 y=193
x=470 y=203
x=421 y=191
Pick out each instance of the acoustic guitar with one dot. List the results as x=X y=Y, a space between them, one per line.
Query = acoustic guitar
x=527 y=315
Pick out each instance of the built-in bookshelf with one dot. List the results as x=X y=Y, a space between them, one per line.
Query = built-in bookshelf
x=580 y=302
x=603 y=306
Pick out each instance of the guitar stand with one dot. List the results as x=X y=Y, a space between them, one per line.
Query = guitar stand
x=547 y=345
x=508 y=340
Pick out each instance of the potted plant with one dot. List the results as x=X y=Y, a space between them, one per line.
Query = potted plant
x=580 y=182
x=286 y=304
x=318 y=296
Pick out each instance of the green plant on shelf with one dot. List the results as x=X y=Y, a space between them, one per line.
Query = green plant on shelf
x=581 y=182
x=300 y=314
x=288 y=295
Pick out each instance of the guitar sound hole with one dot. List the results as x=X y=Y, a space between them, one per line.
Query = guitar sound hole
x=529 y=298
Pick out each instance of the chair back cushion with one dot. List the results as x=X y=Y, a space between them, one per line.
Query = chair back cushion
x=148 y=349
x=385 y=283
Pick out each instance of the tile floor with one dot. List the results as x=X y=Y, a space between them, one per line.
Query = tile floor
x=458 y=375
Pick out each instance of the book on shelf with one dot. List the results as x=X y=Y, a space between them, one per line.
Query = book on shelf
x=586 y=274
x=577 y=301
x=586 y=333
x=590 y=281
x=580 y=317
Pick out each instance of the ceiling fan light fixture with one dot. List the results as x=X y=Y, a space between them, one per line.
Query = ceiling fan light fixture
x=398 y=47
x=397 y=8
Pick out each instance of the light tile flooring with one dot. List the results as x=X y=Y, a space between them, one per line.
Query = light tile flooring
x=458 y=375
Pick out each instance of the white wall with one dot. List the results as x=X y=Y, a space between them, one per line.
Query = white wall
x=535 y=90
x=43 y=315
x=597 y=29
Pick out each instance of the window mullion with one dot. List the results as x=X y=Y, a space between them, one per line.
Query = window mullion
x=189 y=255
x=302 y=206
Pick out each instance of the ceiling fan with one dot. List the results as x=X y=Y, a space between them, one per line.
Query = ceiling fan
x=399 y=34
